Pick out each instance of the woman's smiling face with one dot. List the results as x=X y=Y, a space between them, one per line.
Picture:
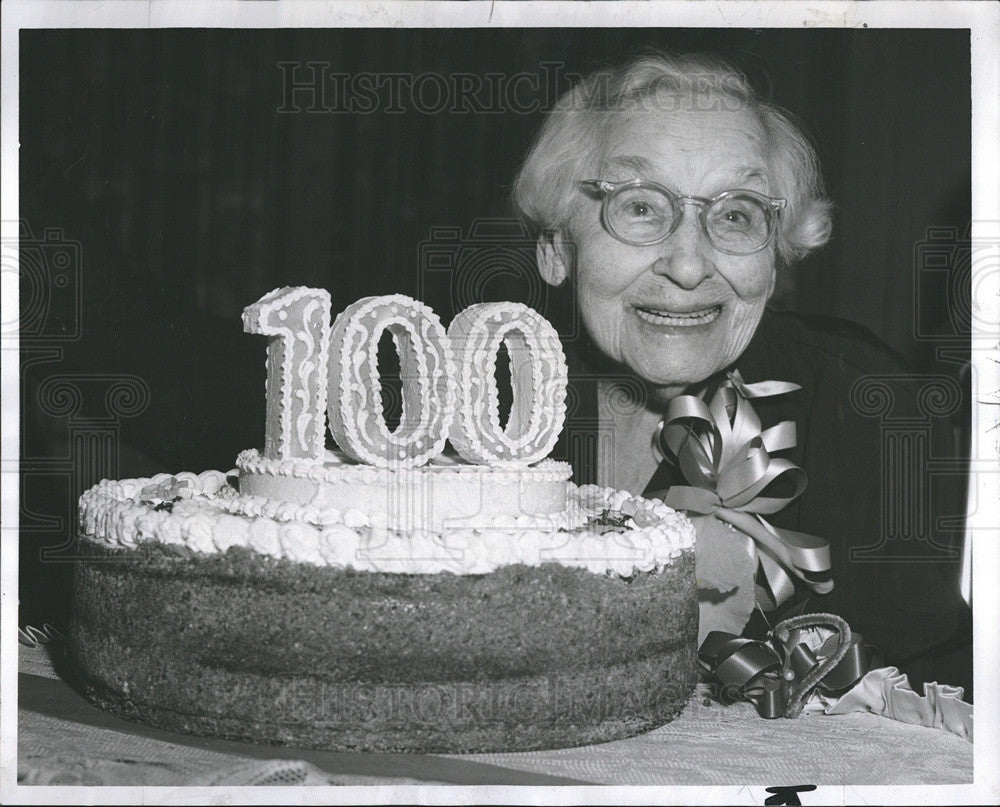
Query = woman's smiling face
x=678 y=311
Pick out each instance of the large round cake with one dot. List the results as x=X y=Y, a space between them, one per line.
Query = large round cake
x=448 y=606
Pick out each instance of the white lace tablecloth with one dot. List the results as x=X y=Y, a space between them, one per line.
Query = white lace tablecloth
x=705 y=745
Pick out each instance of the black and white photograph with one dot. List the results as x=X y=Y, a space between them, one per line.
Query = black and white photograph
x=517 y=402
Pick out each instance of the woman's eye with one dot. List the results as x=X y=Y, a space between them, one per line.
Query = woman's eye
x=738 y=215
x=638 y=208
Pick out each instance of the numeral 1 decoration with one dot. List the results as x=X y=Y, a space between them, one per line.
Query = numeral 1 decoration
x=449 y=386
x=296 y=321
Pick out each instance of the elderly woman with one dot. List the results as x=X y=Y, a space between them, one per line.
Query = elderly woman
x=667 y=197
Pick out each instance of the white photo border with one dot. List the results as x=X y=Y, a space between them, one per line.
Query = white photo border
x=983 y=19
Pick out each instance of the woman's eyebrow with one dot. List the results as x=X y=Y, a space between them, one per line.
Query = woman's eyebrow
x=629 y=162
x=745 y=174
x=644 y=169
x=741 y=178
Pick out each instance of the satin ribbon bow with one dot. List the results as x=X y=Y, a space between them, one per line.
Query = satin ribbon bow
x=726 y=459
x=779 y=677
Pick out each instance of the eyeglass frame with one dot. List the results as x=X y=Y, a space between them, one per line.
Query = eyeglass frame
x=608 y=189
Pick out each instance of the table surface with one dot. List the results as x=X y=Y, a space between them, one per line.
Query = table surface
x=63 y=739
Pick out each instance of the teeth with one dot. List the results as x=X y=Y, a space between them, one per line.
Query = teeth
x=656 y=317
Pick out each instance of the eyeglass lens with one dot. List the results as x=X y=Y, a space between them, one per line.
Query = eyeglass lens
x=736 y=222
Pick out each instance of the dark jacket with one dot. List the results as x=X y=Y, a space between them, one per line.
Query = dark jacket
x=878 y=446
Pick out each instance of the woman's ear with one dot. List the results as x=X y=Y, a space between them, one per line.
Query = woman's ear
x=551 y=252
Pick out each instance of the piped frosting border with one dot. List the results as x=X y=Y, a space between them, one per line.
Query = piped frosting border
x=195 y=510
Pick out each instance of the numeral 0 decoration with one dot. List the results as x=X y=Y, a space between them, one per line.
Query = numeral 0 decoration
x=428 y=380
x=449 y=387
x=538 y=384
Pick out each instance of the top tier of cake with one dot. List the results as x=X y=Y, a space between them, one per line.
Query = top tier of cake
x=449 y=392
x=442 y=495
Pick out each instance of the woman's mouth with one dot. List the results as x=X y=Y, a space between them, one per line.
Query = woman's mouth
x=681 y=319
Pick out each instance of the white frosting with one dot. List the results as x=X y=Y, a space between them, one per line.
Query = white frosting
x=355 y=411
x=538 y=383
x=297 y=322
x=446 y=494
x=205 y=514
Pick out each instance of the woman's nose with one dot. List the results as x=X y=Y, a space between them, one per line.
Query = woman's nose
x=684 y=256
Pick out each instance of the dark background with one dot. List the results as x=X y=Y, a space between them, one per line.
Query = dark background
x=163 y=189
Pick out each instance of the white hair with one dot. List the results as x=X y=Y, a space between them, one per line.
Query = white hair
x=569 y=146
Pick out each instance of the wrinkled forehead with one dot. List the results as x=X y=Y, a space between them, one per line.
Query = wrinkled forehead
x=696 y=93
x=684 y=144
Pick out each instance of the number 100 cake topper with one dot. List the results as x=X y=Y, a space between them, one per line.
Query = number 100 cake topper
x=318 y=374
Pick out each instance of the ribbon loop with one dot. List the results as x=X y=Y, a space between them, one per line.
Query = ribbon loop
x=801 y=660
x=734 y=661
x=726 y=460
x=760 y=389
x=778 y=677
x=851 y=668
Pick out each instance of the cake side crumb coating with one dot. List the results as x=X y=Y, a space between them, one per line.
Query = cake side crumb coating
x=247 y=646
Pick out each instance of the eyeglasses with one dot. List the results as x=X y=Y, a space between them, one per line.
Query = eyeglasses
x=640 y=213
